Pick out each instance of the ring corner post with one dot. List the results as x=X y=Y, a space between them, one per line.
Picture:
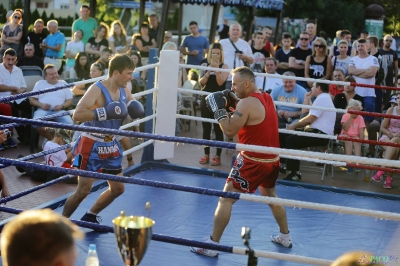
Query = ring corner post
x=168 y=74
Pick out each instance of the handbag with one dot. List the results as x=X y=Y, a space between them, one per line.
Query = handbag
x=245 y=63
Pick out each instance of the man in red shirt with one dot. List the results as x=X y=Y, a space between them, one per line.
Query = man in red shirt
x=254 y=115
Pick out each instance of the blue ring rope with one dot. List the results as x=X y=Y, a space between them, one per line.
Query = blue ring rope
x=159 y=237
x=211 y=143
x=39 y=154
x=34 y=93
x=47 y=117
x=155 y=237
x=33 y=189
x=129 y=180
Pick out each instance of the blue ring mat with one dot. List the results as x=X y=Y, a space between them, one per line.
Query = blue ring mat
x=318 y=234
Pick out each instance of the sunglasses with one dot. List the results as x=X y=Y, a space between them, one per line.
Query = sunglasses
x=319 y=45
x=17 y=17
x=388 y=40
x=303 y=39
x=28 y=49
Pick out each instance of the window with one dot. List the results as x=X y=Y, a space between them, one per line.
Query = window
x=64 y=7
x=42 y=5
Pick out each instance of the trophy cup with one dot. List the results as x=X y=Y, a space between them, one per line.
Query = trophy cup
x=133 y=235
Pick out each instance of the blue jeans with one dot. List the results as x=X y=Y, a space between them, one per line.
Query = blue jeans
x=369 y=106
x=66 y=119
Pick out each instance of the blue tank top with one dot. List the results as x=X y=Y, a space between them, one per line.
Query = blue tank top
x=112 y=124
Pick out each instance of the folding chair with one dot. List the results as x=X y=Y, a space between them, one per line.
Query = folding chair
x=31 y=71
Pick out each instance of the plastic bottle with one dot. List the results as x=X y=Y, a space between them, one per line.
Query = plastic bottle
x=92 y=259
x=367 y=177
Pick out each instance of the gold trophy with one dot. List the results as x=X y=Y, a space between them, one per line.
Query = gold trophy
x=133 y=235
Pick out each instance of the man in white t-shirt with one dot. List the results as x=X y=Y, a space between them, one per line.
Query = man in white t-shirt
x=363 y=68
x=317 y=121
x=53 y=102
x=269 y=83
x=235 y=57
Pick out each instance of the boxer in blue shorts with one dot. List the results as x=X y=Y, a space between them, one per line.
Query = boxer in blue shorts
x=106 y=104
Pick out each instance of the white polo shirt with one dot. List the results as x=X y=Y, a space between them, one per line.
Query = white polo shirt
x=230 y=53
x=15 y=78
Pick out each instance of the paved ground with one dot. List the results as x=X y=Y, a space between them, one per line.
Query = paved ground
x=185 y=154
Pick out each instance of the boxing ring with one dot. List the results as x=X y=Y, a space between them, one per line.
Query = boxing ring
x=323 y=223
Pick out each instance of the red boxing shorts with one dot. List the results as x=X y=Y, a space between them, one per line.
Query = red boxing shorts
x=97 y=153
x=249 y=173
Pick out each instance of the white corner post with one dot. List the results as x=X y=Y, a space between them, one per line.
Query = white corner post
x=168 y=72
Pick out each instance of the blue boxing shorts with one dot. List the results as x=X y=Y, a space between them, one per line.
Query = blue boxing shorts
x=97 y=153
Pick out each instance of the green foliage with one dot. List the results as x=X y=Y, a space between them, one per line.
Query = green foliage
x=18 y=4
x=106 y=14
x=3 y=13
x=330 y=15
x=172 y=23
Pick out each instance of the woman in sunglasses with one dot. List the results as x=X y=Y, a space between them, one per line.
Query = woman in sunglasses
x=12 y=34
x=318 y=65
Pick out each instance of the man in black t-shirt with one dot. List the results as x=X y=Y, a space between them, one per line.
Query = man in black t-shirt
x=297 y=58
x=390 y=65
x=29 y=58
x=36 y=37
x=259 y=55
x=282 y=55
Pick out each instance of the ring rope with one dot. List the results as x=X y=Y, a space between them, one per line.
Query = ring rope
x=205 y=191
x=137 y=122
x=42 y=153
x=219 y=247
x=336 y=110
x=47 y=117
x=342 y=83
x=218 y=144
x=34 y=93
x=194 y=243
x=142 y=93
x=36 y=188
x=305 y=134
x=138 y=147
x=373 y=86
x=149 y=66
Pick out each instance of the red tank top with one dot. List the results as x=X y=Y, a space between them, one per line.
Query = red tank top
x=267 y=46
x=265 y=133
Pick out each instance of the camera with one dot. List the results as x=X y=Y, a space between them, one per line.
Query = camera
x=8 y=133
x=239 y=52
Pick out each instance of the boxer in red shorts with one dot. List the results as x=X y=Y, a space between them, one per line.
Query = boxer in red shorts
x=256 y=123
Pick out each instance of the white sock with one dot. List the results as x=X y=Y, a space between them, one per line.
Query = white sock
x=89 y=212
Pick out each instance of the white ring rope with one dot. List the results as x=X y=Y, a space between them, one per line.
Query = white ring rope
x=281 y=130
x=138 y=147
x=138 y=69
x=137 y=122
x=341 y=111
x=142 y=93
x=324 y=156
x=281 y=256
x=322 y=207
x=269 y=75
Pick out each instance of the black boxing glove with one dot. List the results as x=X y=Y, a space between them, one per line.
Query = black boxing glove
x=231 y=100
x=216 y=103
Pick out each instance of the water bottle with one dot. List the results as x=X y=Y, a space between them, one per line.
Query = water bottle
x=92 y=259
x=367 y=177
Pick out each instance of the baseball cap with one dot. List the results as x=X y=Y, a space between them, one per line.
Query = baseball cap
x=393 y=99
x=65 y=134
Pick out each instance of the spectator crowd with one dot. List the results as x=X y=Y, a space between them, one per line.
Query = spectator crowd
x=359 y=59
